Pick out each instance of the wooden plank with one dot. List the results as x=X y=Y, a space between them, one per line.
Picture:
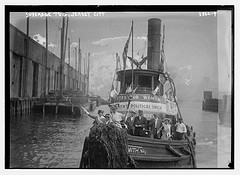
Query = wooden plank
x=154 y=158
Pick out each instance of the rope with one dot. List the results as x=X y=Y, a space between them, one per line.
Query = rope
x=192 y=152
x=174 y=95
x=107 y=147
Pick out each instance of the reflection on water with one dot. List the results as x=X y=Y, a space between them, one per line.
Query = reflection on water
x=56 y=141
x=47 y=141
x=205 y=125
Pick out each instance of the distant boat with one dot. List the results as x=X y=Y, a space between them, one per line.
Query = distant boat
x=209 y=103
x=70 y=103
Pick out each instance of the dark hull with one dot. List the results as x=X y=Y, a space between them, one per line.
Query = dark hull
x=210 y=105
x=155 y=153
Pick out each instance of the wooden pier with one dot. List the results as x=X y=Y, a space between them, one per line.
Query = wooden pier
x=35 y=72
x=22 y=106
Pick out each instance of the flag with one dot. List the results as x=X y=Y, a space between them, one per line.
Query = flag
x=163 y=58
x=162 y=78
x=134 y=90
x=118 y=62
x=155 y=90
x=125 y=50
x=129 y=89
x=113 y=93
x=85 y=110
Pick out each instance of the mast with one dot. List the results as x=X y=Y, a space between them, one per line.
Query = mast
x=62 y=57
x=46 y=34
x=46 y=55
x=69 y=51
x=88 y=71
x=75 y=58
x=65 y=41
x=84 y=75
x=79 y=63
x=68 y=83
x=132 y=56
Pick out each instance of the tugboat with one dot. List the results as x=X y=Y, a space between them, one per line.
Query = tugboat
x=150 y=94
x=152 y=91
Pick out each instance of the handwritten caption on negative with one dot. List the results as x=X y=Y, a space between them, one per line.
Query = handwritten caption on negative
x=62 y=14
x=207 y=13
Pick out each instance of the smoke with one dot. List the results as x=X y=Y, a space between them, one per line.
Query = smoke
x=74 y=44
x=42 y=40
x=109 y=41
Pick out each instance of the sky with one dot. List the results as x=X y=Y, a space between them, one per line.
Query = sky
x=197 y=46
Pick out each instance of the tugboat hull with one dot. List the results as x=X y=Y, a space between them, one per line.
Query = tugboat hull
x=155 y=153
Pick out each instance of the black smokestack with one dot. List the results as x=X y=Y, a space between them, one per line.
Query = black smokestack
x=154 y=40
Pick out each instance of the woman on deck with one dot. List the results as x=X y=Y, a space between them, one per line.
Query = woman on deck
x=98 y=119
x=166 y=129
x=116 y=116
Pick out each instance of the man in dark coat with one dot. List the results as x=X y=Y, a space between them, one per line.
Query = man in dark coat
x=155 y=125
x=140 y=123
x=129 y=122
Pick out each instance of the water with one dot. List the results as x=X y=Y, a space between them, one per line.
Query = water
x=47 y=142
x=56 y=141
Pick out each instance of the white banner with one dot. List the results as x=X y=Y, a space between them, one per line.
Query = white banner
x=149 y=108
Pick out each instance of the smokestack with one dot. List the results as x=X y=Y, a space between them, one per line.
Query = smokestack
x=154 y=40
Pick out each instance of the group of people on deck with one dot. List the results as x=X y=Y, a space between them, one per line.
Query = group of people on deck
x=159 y=127
x=166 y=128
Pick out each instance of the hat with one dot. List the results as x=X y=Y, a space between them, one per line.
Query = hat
x=132 y=111
x=169 y=120
x=113 y=105
x=100 y=111
x=107 y=115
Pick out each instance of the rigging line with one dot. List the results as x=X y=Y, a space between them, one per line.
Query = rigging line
x=165 y=61
x=145 y=44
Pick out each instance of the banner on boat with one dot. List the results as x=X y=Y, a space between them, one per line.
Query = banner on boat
x=140 y=97
x=150 y=108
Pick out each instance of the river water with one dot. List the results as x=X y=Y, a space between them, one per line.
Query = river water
x=50 y=141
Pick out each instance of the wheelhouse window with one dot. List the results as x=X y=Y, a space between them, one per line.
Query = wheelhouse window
x=144 y=84
x=127 y=83
x=144 y=81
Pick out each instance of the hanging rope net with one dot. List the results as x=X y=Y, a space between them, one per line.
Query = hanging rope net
x=106 y=147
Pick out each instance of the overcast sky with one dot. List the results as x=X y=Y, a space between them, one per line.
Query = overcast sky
x=196 y=46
